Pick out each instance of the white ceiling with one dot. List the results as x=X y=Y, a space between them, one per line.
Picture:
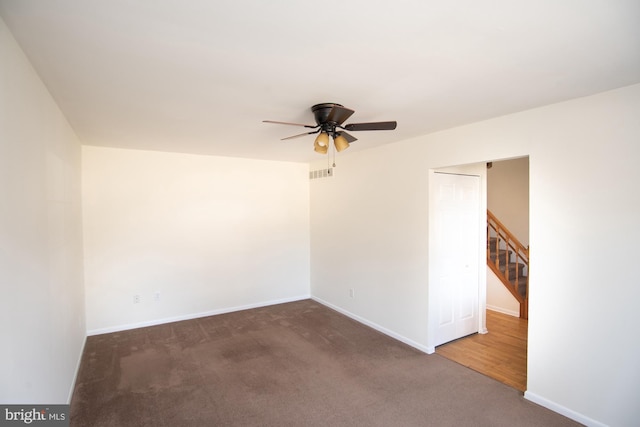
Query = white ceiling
x=199 y=76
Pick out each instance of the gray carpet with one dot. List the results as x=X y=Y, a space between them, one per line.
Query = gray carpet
x=295 y=364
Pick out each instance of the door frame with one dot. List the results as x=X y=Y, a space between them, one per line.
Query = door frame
x=479 y=170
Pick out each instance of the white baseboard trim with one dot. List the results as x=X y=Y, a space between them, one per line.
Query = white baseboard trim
x=503 y=310
x=582 y=419
x=375 y=326
x=75 y=375
x=190 y=316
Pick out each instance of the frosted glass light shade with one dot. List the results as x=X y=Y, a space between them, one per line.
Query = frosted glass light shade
x=341 y=143
x=322 y=139
x=319 y=148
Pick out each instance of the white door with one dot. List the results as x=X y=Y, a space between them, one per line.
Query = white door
x=455 y=228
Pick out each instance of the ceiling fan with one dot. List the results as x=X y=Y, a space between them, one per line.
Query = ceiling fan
x=329 y=118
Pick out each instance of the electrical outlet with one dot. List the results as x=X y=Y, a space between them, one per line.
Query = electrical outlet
x=351 y=293
x=156 y=296
x=136 y=299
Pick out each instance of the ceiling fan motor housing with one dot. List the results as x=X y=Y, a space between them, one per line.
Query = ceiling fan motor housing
x=321 y=112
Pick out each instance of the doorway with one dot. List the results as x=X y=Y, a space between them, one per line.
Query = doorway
x=502 y=353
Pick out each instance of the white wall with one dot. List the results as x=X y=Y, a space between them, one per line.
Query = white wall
x=369 y=232
x=499 y=298
x=42 y=304
x=508 y=195
x=210 y=234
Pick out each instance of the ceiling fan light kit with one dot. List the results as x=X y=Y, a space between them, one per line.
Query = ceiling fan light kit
x=322 y=139
x=322 y=149
x=329 y=118
x=340 y=142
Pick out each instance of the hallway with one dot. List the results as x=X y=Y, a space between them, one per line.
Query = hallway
x=500 y=354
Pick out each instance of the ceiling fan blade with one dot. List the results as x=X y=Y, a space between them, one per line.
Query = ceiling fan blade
x=371 y=126
x=339 y=114
x=348 y=137
x=302 y=134
x=289 y=123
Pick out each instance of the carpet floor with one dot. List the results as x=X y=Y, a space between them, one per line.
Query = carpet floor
x=294 y=364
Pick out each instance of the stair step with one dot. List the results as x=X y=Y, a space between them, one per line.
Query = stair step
x=513 y=267
x=502 y=253
x=515 y=270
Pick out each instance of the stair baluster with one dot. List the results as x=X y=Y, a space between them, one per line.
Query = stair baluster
x=508 y=259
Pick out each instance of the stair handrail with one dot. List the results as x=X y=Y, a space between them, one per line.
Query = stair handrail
x=519 y=247
x=521 y=253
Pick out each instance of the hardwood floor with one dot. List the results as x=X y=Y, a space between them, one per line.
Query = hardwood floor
x=500 y=354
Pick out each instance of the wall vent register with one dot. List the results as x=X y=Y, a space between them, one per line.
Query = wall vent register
x=321 y=173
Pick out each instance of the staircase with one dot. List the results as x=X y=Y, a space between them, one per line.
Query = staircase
x=509 y=260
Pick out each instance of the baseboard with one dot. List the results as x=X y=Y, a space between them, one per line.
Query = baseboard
x=503 y=310
x=562 y=410
x=375 y=326
x=75 y=375
x=155 y=322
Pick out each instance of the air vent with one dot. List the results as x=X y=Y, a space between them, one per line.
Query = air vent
x=321 y=173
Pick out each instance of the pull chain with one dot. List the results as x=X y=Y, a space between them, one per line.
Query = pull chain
x=334 y=156
x=328 y=155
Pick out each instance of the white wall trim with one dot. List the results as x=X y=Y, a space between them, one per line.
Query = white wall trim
x=375 y=326
x=503 y=310
x=75 y=375
x=582 y=419
x=125 y=327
